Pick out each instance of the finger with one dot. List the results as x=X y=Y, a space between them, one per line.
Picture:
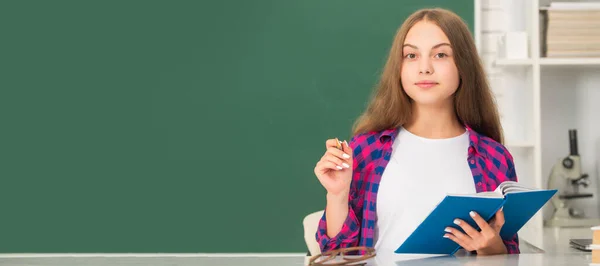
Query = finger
x=483 y=225
x=331 y=143
x=471 y=232
x=327 y=165
x=499 y=220
x=346 y=148
x=458 y=241
x=337 y=161
x=492 y=222
x=459 y=235
x=340 y=154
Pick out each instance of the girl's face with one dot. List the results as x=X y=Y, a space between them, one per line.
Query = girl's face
x=429 y=75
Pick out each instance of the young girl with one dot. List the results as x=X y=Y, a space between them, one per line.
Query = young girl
x=432 y=128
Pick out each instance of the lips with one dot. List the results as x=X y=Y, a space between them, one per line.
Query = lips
x=426 y=84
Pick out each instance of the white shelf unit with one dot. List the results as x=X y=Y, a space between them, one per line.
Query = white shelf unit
x=540 y=99
x=548 y=62
x=513 y=62
x=570 y=61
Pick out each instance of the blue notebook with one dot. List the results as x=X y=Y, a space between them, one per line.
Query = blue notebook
x=519 y=205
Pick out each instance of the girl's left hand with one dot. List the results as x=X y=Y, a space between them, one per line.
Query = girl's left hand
x=486 y=242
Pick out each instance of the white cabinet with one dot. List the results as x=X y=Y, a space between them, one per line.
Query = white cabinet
x=540 y=99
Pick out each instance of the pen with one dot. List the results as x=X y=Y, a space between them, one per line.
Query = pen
x=339 y=144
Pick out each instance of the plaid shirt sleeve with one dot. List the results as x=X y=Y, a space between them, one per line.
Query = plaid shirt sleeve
x=349 y=235
x=512 y=245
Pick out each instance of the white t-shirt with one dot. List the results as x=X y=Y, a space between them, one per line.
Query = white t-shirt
x=419 y=174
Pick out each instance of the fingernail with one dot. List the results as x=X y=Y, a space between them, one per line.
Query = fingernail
x=339 y=167
x=456 y=221
x=445 y=236
x=346 y=156
x=346 y=165
x=501 y=208
x=472 y=213
x=447 y=230
x=346 y=144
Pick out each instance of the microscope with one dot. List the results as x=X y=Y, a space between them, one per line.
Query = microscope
x=566 y=176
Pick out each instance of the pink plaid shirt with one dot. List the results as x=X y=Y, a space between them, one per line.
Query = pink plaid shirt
x=490 y=163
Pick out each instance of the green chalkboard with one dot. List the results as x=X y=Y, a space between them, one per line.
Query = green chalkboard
x=179 y=126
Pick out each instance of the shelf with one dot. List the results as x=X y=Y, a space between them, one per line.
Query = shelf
x=513 y=62
x=570 y=61
x=589 y=61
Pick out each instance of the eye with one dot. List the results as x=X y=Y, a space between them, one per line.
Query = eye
x=410 y=56
x=440 y=55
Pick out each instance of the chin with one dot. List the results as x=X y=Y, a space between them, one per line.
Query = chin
x=430 y=102
x=429 y=98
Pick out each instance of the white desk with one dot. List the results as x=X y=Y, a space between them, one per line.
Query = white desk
x=556 y=240
x=512 y=260
x=556 y=247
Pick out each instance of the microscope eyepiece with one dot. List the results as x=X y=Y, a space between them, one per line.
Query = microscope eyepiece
x=573 y=142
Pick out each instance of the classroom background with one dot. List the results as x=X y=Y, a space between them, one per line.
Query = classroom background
x=194 y=126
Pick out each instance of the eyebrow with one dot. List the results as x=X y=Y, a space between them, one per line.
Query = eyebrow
x=435 y=46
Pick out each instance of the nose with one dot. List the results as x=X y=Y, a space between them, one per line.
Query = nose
x=425 y=66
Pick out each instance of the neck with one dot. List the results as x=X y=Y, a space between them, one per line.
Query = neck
x=435 y=122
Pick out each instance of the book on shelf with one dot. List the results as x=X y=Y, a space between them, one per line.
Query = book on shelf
x=570 y=29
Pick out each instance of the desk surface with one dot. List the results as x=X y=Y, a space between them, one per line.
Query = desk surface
x=556 y=252
x=520 y=260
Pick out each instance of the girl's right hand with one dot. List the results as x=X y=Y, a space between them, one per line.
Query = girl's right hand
x=334 y=170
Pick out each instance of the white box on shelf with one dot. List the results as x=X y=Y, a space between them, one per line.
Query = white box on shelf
x=513 y=45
